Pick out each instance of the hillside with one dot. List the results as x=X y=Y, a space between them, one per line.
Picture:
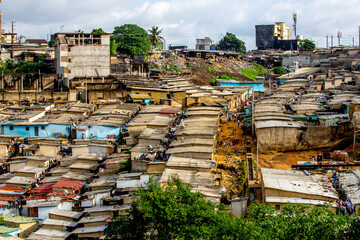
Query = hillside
x=202 y=70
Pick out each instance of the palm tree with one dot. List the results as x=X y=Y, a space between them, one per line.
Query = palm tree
x=154 y=36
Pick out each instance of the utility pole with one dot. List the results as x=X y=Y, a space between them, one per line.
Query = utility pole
x=327 y=41
x=1 y=23
x=339 y=35
x=332 y=41
x=353 y=41
x=12 y=39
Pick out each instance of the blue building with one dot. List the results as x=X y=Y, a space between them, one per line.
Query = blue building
x=257 y=85
x=50 y=125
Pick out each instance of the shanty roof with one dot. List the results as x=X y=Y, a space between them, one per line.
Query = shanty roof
x=197 y=149
x=29 y=169
x=12 y=190
x=58 y=222
x=295 y=200
x=42 y=189
x=276 y=124
x=95 y=219
x=48 y=233
x=68 y=184
x=20 y=180
x=66 y=213
x=108 y=208
x=189 y=163
x=89 y=229
x=296 y=181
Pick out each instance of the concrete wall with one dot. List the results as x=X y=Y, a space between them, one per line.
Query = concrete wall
x=277 y=138
x=133 y=182
x=47 y=132
x=98 y=131
x=76 y=151
x=279 y=193
x=31 y=95
x=49 y=150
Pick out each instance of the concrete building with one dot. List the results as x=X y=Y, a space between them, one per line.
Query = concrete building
x=203 y=44
x=280 y=187
x=274 y=36
x=82 y=54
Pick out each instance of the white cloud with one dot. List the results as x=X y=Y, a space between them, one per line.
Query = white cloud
x=184 y=20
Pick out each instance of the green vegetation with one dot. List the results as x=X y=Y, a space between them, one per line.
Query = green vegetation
x=308 y=45
x=172 y=68
x=113 y=44
x=176 y=212
x=213 y=81
x=256 y=71
x=154 y=37
x=231 y=43
x=125 y=166
x=131 y=39
x=25 y=67
x=212 y=70
x=280 y=70
x=225 y=76
x=98 y=30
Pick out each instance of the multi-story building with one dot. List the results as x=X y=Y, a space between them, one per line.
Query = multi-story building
x=82 y=55
x=203 y=44
x=274 y=36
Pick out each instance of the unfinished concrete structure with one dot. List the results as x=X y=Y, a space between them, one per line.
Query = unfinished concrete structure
x=82 y=54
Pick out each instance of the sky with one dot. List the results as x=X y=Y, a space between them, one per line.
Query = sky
x=183 y=21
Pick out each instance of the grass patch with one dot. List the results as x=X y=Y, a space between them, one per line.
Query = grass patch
x=253 y=72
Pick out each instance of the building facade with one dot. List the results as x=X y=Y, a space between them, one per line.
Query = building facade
x=82 y=55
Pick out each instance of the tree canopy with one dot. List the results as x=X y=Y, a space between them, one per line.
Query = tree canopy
x=98 y=30
x=231 y=43
x=154 y=36
x=131 y=39
x=176 y=212
x=308 y=45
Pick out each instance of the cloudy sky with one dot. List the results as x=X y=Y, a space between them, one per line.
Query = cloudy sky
x=185 y=20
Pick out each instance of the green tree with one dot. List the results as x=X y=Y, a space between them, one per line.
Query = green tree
x=132 y=39
x=98 y=30
x=154 y=37
x=231 y=43
x=280 y=70
x=175 y=212
x=308 y=45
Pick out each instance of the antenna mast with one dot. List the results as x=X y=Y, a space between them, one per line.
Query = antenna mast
x=295 y=21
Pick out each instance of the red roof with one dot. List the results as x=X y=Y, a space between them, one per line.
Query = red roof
x=36 y=41
x=35 y=197
x=169 y=110
x=42 y=189
x=63 y=183
x=8 y=199
x=12 y=190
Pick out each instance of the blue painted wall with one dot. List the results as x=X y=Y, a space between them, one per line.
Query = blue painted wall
x=97 y=131
x=47 y=132
x=258 y=87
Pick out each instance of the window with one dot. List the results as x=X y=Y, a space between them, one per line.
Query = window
x=42 y=127
x=27 y=128
x=277 y=207
x=149 y=94
x=69 y=59
x=69 y=71
x=11 y=128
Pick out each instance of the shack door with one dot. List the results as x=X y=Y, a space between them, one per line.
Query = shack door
x=36 y=131
x=2 y=129
x=33 y=212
